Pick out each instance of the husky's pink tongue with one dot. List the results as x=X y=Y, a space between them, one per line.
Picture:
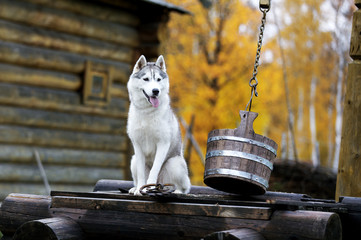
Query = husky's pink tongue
x=154 y=101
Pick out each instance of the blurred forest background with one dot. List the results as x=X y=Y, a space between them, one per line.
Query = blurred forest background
x=210 y=57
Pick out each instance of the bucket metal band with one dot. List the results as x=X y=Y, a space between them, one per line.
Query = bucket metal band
x=244 y=140
x=229 y=153
x=237 y=173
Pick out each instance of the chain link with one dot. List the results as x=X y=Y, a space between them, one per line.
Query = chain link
x=253 y=82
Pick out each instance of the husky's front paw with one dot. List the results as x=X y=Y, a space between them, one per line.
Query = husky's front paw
x=135 y=191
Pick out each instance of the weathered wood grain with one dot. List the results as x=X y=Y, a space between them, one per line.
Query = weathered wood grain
x=59 y=120
x=38 y=188
x=56 y=156
x=190 y=209
x=65 y=21
x=44 y=78
x=56 y=174
x=138 y=223
x=37 y=207
x=58 y=100
x=355 y=47
x=349 y=169
x=119 y=90
x=61 y=138
x=39 y=57
x=14 y=32
x=50 y=228
x=235 y=234
x=91 y=9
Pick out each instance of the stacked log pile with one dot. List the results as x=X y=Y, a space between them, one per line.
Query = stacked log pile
x=204 y=213
x=46 y=48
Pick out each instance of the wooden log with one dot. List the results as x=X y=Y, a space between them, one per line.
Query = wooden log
x=61 y=138
x=49 y=228
x=44 y=78
x=13 y=214
x=39 y=188
x=19 y=33
x=68 y=22
x=54 y=156
x=98 y=11
x=59 y=120
x=37 y=57
x=119 y=90
x=58 y=100
x=235 y=234
x=56 y=174
x=122 y=218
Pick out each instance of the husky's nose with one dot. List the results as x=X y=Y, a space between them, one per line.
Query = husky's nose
x=155 y=91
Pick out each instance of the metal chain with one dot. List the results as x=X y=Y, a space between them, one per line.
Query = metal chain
x=253 y=82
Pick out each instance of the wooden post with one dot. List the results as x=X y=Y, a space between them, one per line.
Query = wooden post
x=349 y=168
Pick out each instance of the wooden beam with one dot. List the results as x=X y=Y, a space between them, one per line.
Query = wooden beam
x=64 y=21
x=190 y=209
x=38 y=57
x=60 y=120
x=54 y=156
x=58 y=100
x=349 y=168
x=56 y=174
x=38 y=188
x=14 y=32
x=93 y=10
x=50 y=228
x=61 y=138
x=43 y=78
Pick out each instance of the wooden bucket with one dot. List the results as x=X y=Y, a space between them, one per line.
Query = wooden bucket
x=239 y=160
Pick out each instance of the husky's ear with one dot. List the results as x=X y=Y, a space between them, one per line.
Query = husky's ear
x=161 y=63
x=140 y=64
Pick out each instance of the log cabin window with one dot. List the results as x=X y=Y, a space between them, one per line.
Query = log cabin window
x=96 y=85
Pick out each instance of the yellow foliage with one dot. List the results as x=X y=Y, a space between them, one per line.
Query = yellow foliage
x=210 y=57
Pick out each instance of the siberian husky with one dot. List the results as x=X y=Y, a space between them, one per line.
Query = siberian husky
x=154 y=130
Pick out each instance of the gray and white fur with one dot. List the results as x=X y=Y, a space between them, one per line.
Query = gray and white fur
x=154 y=130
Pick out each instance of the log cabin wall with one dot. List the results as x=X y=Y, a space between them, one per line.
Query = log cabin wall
x=63 y=72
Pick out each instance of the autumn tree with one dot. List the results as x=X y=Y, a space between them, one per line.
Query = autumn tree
x=211 y=54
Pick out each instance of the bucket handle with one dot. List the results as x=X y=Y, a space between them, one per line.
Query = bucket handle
x=245 y=128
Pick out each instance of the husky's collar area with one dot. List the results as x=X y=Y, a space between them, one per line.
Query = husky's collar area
x=152 y=100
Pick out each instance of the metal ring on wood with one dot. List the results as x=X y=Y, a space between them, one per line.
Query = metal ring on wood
x=236 y=173
x=244 y=140
x=230 y=153
x=157 y=189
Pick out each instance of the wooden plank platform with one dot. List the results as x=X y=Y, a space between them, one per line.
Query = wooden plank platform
x=204 y=213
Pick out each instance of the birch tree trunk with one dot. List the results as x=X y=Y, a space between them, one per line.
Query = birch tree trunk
x=313 y=129
x=342 y=40
x=290 y=116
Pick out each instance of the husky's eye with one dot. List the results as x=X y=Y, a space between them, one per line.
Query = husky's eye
x=146 y=79
x=159 y=79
